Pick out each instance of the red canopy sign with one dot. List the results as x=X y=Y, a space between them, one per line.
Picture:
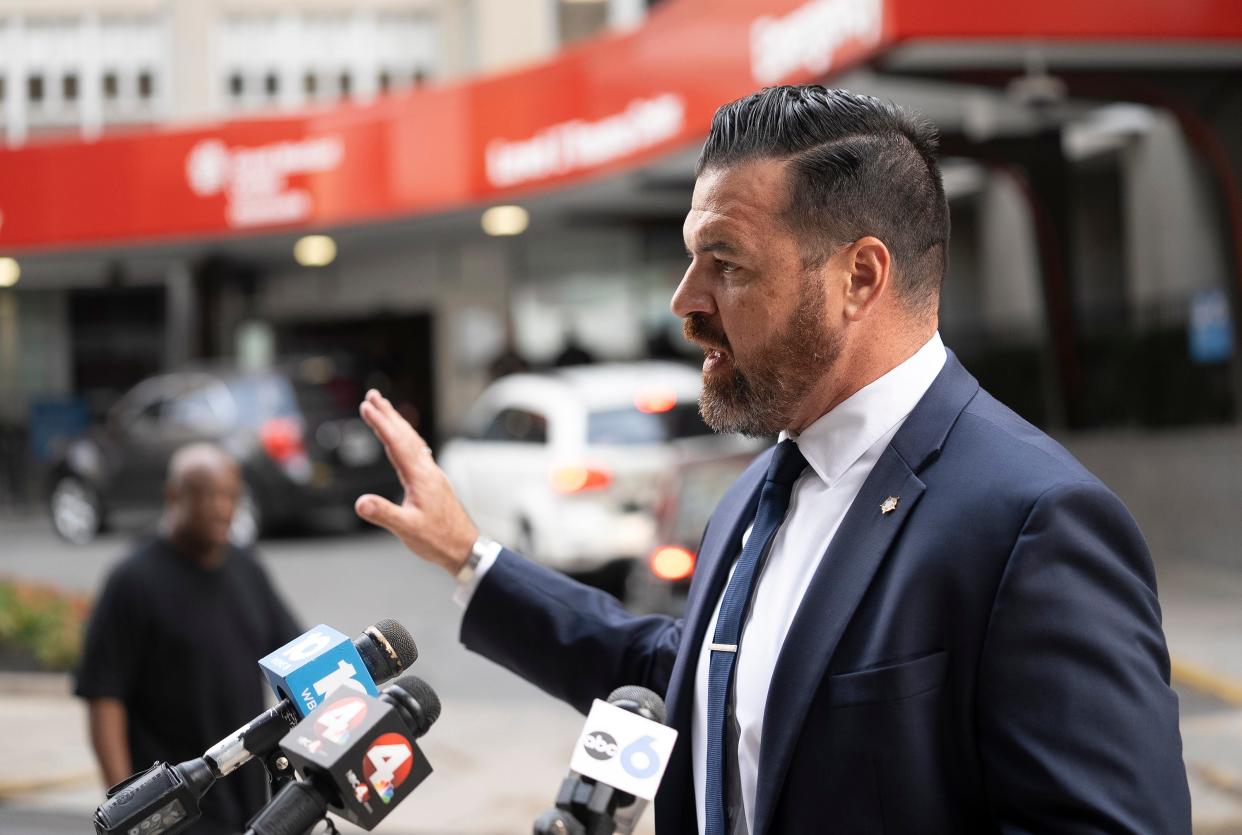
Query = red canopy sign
x=607 y=105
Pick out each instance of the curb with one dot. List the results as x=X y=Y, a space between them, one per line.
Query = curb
x=1207 y=682
x=14 y=683
x=18 y=788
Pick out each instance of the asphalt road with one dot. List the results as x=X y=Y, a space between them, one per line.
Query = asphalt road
x=346 y=580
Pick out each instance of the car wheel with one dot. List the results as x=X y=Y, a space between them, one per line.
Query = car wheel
x=525 y=544
x=247 y=520
x=76 y=510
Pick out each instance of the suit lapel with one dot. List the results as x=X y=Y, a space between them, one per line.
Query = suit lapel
x=723 y=540
x=845 y=573
x=843 y=576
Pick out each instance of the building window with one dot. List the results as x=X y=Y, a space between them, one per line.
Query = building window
x=237 y=85
x=3 y=84
x=580 y=20
x=347 y=83
x=34 y=89
x=111 y=86
x=271 y=84
x=69 y=87
x=385 y=81
x=310 y=83
x=146 y=85
x=420 y=76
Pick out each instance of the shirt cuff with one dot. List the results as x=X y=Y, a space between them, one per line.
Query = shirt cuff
x=468 y=578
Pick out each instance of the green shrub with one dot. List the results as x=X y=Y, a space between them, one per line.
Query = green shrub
x=41 y=623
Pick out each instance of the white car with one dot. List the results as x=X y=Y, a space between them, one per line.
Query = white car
x=566 y=466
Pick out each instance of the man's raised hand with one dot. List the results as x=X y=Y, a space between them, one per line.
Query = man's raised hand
x=430 y=521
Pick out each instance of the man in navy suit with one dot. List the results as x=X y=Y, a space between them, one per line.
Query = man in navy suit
x=917 y=613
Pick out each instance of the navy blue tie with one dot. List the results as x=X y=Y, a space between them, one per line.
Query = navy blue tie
x=786 y=465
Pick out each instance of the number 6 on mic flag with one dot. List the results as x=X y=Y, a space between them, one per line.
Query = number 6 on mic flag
x=623 y=750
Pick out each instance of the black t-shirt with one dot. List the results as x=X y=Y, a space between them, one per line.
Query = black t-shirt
x=179 y=646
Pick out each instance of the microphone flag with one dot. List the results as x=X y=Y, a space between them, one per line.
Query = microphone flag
x=365 y=748
x=311 y=667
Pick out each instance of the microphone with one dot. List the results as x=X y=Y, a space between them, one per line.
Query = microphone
x=385 y=648
x=616 y=767
x=357 y=757
x=164 y=799
x=308 y=669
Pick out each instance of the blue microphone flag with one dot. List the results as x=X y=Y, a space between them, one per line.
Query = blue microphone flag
x=310 y=668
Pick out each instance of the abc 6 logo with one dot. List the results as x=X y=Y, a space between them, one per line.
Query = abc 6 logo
x=638 y=759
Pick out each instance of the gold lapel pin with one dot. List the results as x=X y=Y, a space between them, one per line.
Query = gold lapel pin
x=889 y=504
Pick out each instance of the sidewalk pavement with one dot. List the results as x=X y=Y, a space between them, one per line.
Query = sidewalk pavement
x=497 y=769
x=1202 y=606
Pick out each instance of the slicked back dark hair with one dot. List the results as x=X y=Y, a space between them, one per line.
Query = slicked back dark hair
x=858 y=166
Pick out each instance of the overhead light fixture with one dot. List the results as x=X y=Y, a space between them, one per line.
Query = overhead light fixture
x=315 y=251
x=505 y=220
x=10 y=272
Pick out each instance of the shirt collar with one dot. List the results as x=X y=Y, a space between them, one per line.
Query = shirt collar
x=837 y=440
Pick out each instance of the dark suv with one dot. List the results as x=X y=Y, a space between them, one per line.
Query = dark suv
x=294 y=429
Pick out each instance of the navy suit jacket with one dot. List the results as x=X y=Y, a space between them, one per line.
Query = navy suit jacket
x=987 y=657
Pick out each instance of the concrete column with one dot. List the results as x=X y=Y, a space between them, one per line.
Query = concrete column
x=90 y=93
x=289 y=59
x=12 y=398
x=626 y=14
x=363 y=28
x=509 y=33
x=193 y=91
x=454 y=38
x=15 y=100
x=180 y=318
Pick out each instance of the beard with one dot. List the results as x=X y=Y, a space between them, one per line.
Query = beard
x=761 y=397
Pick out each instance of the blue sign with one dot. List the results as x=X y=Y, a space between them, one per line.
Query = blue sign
x=309 y=669
x=1211 y=328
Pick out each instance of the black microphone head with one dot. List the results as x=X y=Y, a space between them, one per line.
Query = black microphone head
x=387 y=648
x=418 y=699
x=639 y=700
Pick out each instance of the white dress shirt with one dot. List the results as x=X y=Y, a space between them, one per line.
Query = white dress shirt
x=841 y=448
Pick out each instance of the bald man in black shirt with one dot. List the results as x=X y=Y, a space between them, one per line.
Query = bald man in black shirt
x=170 y=661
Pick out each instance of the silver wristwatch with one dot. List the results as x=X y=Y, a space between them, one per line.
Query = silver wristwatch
x=484 y=547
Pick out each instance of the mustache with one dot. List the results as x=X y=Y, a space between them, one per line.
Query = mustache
x=699 y=329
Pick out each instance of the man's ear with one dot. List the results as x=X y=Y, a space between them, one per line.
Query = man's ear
x=869 y=266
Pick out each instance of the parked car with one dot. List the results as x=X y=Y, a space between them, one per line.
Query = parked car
x=690 y=494
x=294 y=429
x=567 y=466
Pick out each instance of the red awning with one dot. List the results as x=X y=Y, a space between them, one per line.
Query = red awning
x=605 y=106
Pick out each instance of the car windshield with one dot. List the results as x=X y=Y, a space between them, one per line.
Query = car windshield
x=261 y=397
x=335 y=398
x=630 y=426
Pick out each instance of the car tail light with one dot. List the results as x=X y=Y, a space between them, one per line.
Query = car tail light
x=282 y=439
x=655 y=401
x=672 y=563
x=580 y=479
